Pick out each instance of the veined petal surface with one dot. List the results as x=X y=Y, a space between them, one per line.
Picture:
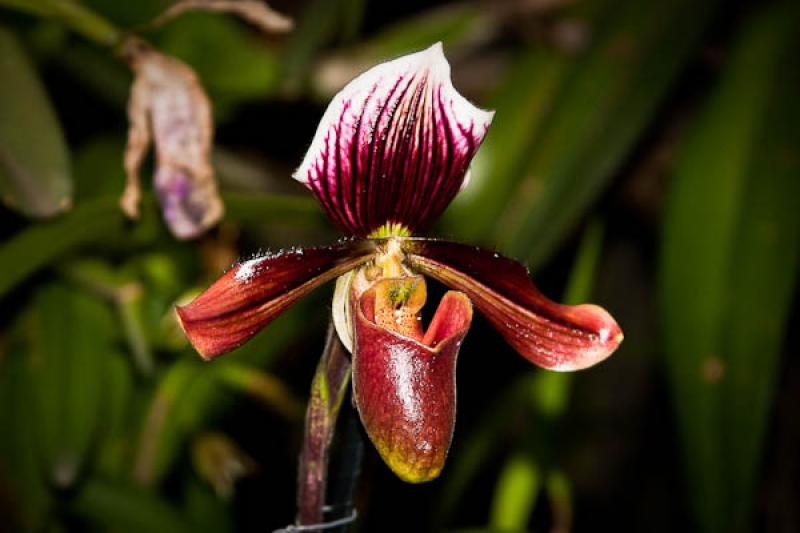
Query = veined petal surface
x=405 y=388
x=394 y=146
x=251 y=294
x=551 y=335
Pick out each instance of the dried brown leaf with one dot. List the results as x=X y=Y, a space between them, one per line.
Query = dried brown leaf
x=169 y=104
x=253 y=11
x=221 y=462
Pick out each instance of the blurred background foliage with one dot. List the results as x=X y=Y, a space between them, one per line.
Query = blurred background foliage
x=644 y=155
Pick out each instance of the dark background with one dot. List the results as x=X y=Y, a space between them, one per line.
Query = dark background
x=644 y=156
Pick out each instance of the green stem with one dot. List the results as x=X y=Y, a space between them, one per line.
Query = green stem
x=327 y=392
x=347 y=468
x=126 y=297
x=74 y=15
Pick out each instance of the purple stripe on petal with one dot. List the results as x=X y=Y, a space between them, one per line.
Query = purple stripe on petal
x=251 y=294
x=551 y=335
x=394 y=145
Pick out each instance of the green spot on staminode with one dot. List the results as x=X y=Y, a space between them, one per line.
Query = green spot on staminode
x=400 y=293
x=390 y=229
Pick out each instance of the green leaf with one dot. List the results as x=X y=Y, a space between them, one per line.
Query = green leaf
x=543 y=394
x=230 y=59
x=191 y=393
x=524 y=101
x=163 y=433
x=101 y=222
x=113 y=454
x=127 y=509
x=98 y=169
x=451 y=24
x=729 y=266
x=286 y=210
x=20 y=471
x=579 y=125
x=129 y=14
x=559 y=493
x=521 y=104
x=205 y=510
x=458 y=26
x=126 y=294
x=262 y=386
x=72 y=14
x=353 y=12
x=97 y=222
x=480 y=446
x=551 y=391
x=34 y=161
x=599 y=118
x=318 y=24
x=102 y=75
x=70 y=339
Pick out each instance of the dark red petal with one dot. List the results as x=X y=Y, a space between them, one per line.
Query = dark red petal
x=405 y=390
x=247 y=297
x=551 y=335
x=394 y=145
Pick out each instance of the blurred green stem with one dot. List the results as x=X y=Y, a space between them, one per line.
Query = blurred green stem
x=327 y=392
x=534 y=468
x=552 y=389
x=126 y=297
x=515 y=494
x=260 y=385
x=559 y=492
x=74 y=15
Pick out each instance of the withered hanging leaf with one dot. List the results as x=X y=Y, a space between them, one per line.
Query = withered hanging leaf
x=255 y=12
x=168 y=103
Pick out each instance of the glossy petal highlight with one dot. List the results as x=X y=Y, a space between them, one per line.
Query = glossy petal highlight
x=394 y=145
x=251 y=294
x=405 y=389
x=550 y=335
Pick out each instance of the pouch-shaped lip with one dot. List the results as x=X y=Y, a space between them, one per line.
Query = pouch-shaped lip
x=404 y=388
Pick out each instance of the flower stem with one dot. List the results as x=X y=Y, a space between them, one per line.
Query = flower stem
x=346 y=468
x=327 y=392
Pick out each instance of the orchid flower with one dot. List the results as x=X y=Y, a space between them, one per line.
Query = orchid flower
x=391 y=152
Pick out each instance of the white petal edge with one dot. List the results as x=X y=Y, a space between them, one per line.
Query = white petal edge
x=341 y=309
x=356 y=92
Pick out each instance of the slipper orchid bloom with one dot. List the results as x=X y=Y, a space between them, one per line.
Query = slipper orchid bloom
x=391 y=152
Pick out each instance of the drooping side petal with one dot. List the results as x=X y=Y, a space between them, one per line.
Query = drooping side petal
x=251 y=294
x=550 y=335
x=405 y=388
x=394 y=145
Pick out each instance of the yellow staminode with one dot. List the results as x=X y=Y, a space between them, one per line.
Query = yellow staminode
x=390 y=229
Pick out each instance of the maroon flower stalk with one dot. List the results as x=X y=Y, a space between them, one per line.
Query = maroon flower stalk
x=390 y=153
